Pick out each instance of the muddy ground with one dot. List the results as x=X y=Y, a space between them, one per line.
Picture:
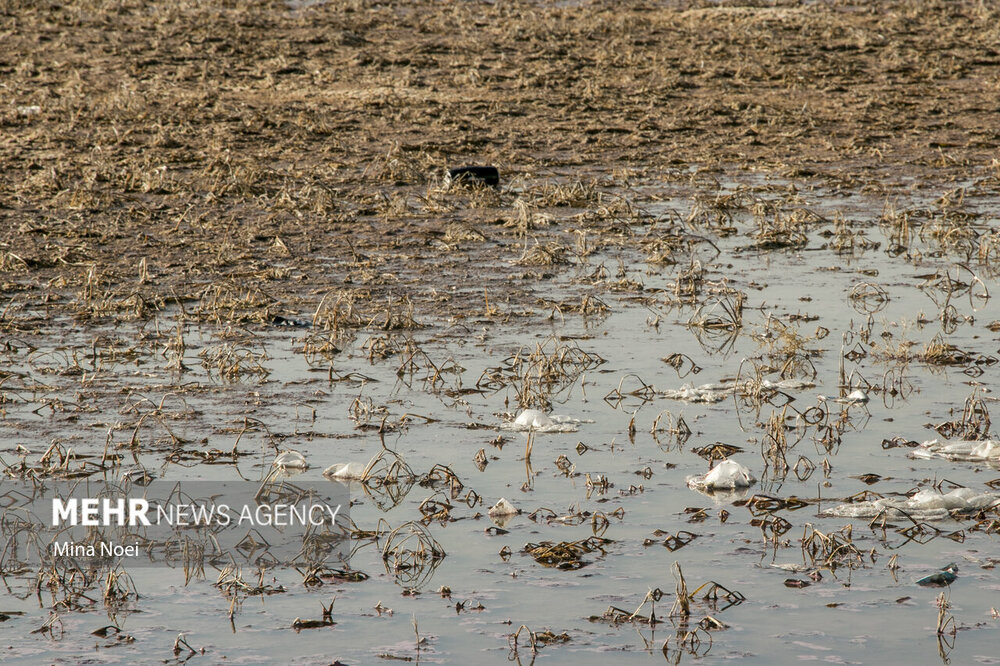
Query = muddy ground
x=261 y=155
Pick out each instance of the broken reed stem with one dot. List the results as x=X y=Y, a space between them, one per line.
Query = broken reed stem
x=682 y=602
x=945 y=622
x=416 y=632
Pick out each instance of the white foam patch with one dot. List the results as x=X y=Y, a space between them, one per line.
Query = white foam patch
x=924 y=505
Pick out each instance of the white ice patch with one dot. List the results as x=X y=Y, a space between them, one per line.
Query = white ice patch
x=924 y=505
x=855 y=397
x=538 y=421
x=718 y=392
x=532 y=418
x=703 y=393
x=787 y=384
x=502 y=508
x=139 y=476
x=965 y=450
x=290 y=460
x=349 y=471
x=727 y=475
x=502 y=512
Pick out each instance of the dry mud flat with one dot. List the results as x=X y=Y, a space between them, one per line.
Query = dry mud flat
x=224 y=232
x=276 y=145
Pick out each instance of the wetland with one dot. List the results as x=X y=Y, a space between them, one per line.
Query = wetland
x=706 y=377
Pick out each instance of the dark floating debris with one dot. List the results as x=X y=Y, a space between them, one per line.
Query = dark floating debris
x=672 y=542
x=717 y=451
x=106 y=631
x=943 y=578
x=278 y=320
x=565 y=555
x=474 y=175
x=338 y=576
x=327 y=621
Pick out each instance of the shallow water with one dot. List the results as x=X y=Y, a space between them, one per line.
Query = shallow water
x=856 y=613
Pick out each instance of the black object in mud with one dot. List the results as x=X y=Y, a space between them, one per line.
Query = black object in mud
x=475 y=175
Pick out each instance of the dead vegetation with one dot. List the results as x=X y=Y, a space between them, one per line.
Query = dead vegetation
x=566 y=555
x=262 y=187
x=539 y=375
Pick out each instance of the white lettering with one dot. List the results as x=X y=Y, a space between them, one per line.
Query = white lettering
x=118 y=511
x=89 y=510
x=137 y=508
x=63 y=510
